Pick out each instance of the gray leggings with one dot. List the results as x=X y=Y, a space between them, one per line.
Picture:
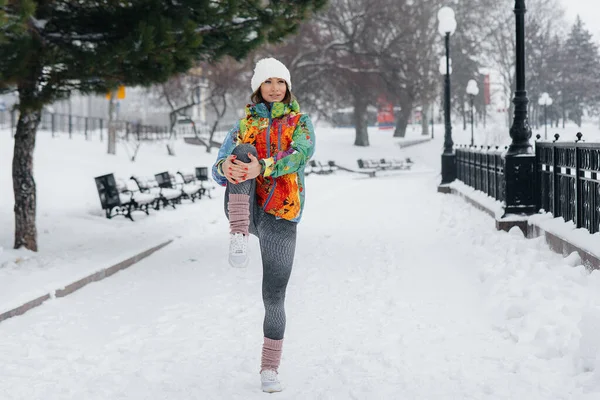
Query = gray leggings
x=277 y=239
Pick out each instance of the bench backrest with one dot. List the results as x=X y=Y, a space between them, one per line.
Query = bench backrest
x=143 y=184
x=108 y=191
x=202 y=173
x=164 y=180
x=187 y=177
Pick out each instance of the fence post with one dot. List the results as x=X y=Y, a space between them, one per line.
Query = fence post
x=578 y=184
x=494 y=174
x=555 y=185
x=538 y=174
x=487 y=170
x=479 y=164
x=459 y=163
x=497 y=182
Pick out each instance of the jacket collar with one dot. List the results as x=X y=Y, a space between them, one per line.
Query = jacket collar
x=278 y=109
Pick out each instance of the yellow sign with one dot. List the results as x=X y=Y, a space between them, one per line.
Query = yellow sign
x=120 y=93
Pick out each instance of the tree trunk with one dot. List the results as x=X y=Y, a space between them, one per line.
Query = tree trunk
x=360 y=121
x=22 y=174
x=403 y=117
x=424 y=122
x=564 y=111
x=112 y=131
x=219 y=113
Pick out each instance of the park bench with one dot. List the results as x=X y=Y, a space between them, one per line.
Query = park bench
x=332 y=166
x=364 y=171
x=316 y=167
x=164 y=196
x=118 y=198
x=191 y=188
x=384 y=164
x=202 y=177
x=169 y=191
x=396 y=163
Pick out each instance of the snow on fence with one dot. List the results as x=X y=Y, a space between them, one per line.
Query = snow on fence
x=482 y=169
x=567 y=177
x=568 y=181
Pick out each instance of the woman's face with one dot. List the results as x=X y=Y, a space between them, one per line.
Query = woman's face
x=273 y=89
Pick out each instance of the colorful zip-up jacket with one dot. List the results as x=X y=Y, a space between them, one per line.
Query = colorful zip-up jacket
x=285 y=139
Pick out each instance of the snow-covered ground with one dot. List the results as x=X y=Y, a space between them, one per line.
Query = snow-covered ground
x=397 y=292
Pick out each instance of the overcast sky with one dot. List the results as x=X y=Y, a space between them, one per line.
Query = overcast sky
x=589 y=10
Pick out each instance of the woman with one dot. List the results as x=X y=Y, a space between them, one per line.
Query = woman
x=262 y=162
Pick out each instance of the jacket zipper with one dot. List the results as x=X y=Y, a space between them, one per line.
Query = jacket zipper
x=272 y=191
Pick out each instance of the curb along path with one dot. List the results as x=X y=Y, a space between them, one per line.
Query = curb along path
x=74 y=286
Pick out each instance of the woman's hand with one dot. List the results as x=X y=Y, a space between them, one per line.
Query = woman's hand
x=237 y=171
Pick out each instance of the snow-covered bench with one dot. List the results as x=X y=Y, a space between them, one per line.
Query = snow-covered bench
x=119 y=198
x=190 y=188
x=384 y=164
x=205 y=182
x=316 y=167
x=164 y=195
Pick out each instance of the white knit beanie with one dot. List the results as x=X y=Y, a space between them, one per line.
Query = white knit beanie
x=269 y=68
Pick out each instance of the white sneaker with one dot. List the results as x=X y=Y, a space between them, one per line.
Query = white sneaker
x=238 y=250
x=269 y=381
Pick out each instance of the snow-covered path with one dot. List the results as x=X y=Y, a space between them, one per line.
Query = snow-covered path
x=392 y=297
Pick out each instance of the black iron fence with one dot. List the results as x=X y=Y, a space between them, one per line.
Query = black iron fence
x=481 y=168
x=90 y=127
x=568 y=181
x=567 y=178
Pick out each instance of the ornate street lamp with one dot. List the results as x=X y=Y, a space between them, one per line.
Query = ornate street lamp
x=519 y=171
x=447 y=26
x=472 y=91
x=545 y=100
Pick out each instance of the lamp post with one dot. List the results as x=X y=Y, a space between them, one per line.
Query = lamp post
x=519 y=172
x=432 y=120
x=472 y=91
x=545 y=100
x=447 y=26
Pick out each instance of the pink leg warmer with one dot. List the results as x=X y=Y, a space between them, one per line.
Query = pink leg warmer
x=239 y=213
x=271 y=354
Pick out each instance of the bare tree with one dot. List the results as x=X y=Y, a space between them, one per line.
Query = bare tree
x=219 y=82
x=407 y=51
x=226 y=79
x=497 y=38
x=306 y=58
x=351 y=68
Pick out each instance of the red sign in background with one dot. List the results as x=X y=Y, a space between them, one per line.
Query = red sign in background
x=385 y=114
